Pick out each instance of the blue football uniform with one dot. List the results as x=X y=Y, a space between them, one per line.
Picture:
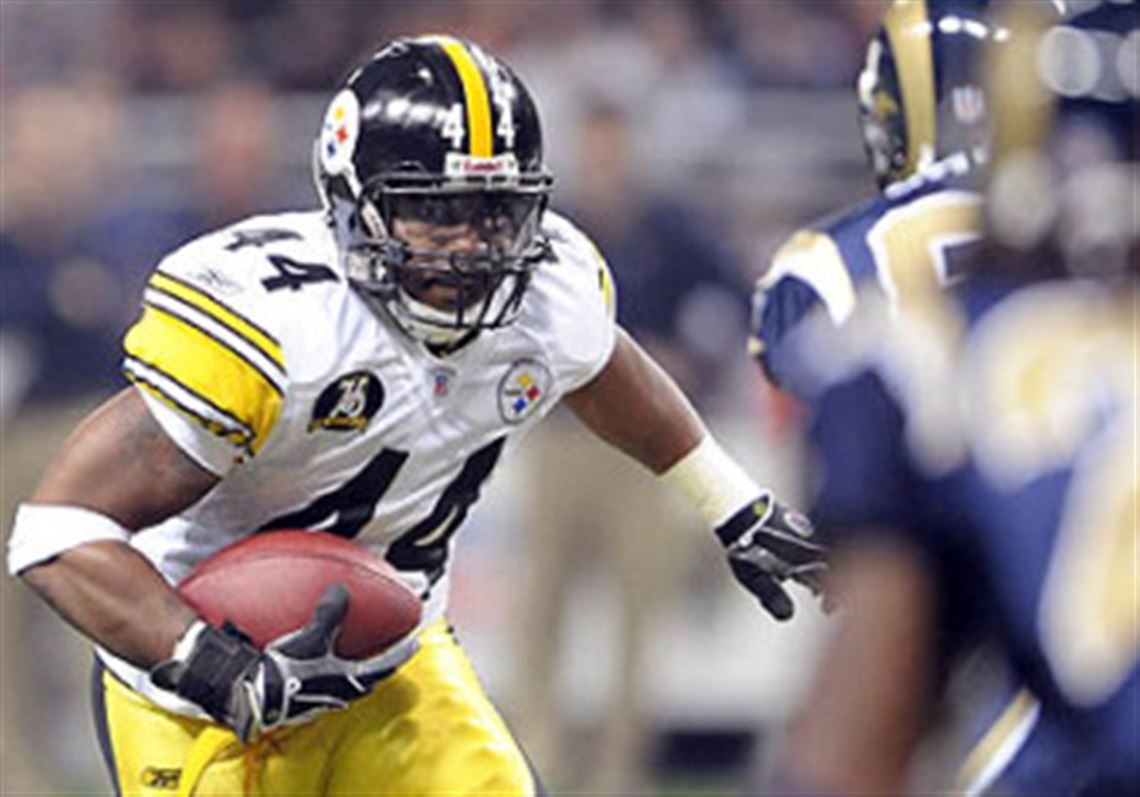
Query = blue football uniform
x=995 y=432
x=891 y=248
x=914 y=232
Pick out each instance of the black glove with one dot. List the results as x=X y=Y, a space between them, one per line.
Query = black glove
x=296 y=678
x=767 y=545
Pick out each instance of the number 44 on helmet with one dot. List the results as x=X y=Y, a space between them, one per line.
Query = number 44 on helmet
x=429 y=164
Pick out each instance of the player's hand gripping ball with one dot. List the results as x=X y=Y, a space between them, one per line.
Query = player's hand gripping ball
x=268 y=585
x=297 y=623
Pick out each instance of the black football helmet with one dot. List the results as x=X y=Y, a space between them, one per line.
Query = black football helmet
x=1064 y=177
x=435 y=132
x=920 y=94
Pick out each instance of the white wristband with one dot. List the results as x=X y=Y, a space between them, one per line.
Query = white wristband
x=185 y=644
x=43 y=532
x=712 y=481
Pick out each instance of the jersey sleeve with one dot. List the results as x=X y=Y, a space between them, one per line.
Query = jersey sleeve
x=214 y=377
x=864 y=477
x=883 y=420
x=807 y=274
x=579 y=300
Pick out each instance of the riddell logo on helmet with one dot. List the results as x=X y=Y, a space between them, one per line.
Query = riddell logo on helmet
x=460 y=165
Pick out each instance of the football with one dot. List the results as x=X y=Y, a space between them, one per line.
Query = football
x=269 y=584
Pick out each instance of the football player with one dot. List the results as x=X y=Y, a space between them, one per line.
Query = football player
x=979 y=454
x=922 y=118
x=358 y=370
x=922 y=114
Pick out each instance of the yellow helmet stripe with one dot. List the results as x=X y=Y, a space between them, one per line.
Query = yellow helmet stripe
x=908 y=30
x=251 y=333
x=1018 y=101
x=474 y=94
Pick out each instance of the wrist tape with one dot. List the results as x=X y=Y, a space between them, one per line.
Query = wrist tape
x=206 y=676
x=42 y=532
x=712 y=481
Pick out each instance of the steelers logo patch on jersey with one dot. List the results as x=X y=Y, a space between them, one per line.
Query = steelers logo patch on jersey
x=348 y=404
x=523 y=389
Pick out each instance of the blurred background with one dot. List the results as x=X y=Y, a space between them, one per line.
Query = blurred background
x=689 y=138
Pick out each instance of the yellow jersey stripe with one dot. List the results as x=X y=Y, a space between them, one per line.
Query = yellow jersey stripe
x=233 y=433
x=207 y=369
x=474 y=94
x=229 y=346
x=912 y=232
x=999 y=744
x=605 y=280
x=242 y=327
x=908 y=30
x=607 y=285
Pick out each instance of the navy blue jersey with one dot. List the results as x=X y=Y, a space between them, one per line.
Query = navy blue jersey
x=995 y=431
x=917 y=225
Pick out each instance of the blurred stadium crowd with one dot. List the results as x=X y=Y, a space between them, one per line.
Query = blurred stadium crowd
x=130 y=127
x=687 y=137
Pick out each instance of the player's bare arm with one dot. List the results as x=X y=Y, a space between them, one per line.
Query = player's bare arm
x=120 y=464
x=863 y=719
x=120 y=473
x=634 y=405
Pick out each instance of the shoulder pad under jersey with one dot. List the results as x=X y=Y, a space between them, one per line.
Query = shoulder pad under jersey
x=572 y=302
x=209 y=340
x=890 y=245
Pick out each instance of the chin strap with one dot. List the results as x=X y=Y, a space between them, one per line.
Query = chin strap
x=451 y=348
x=434 y=328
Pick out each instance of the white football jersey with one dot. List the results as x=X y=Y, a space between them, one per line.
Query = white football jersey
x=265 y=366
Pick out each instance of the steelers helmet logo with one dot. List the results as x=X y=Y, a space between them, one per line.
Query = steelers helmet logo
x=523 y=390
x=340 y=132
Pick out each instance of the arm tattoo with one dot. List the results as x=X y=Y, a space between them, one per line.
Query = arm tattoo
x=121 y=463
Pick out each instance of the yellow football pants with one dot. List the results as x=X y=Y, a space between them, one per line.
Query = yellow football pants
x=427 y=730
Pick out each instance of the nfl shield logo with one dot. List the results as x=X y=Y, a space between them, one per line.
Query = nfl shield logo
x=441 y=379
x=969 y=104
